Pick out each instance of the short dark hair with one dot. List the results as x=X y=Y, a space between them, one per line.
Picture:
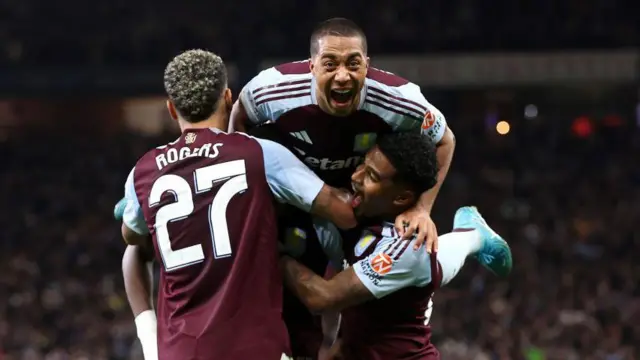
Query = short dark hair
x=195 y=81
x=336 y=27
x=413 y=155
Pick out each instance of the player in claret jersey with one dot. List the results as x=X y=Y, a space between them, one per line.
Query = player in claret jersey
x=331 y=108
x=205 y=200
x=385 y=291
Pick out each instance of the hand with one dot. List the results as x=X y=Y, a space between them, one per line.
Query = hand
x=418 y=220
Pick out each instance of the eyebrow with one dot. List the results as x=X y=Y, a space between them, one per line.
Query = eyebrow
x=333 y=56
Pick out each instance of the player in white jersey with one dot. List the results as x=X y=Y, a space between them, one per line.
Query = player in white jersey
x=385 y=290
x=334 y=105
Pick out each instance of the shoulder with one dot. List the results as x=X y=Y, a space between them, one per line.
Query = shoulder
x=395 y=99
x=281 y=80
x=393 y=265
x=398 y=252
x=278 y=89
x=280 y=77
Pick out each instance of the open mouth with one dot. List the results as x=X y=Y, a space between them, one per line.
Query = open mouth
x=342 y=97
x=356 y=199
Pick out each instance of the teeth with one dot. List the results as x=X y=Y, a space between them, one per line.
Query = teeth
x=342 y=91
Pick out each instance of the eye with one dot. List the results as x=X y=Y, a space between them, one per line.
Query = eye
x=329 y=65
x=372 y=176
x=354 y=64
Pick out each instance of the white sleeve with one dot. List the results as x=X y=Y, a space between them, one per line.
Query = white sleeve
x=434 y=123
x=258 y=111
x=290 y=180
x=330 y=241
x=392 y=266
x=132 y=216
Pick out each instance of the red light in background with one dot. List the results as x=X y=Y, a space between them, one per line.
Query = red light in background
x=582 y=126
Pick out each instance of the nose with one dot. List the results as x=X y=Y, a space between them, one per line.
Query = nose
x=342 y=75
x=357 y=175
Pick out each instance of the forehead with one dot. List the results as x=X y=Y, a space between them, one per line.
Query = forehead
x=331 y=45
x=377 y=161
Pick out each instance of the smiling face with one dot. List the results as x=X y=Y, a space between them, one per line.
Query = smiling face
x=377 y=192
x=340 y=68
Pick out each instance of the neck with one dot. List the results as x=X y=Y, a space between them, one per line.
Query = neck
x=389 y=217
x=217 y=121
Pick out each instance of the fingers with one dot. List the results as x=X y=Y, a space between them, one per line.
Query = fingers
x=421 y=236
x=409 y=231
x=432 y=241
x=400 y=224
x=429 y=244
x=434 y=236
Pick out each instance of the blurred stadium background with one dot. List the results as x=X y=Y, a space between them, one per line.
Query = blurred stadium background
x=543 y=97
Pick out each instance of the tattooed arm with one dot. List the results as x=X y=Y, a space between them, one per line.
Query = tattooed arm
x=389 y=268
x=319 y=295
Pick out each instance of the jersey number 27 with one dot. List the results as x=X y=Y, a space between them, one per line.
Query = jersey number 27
x=234 y=172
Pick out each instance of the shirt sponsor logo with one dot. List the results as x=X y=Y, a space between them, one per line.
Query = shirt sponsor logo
x=328 y=164
x=432 y=124
x=381 y=263
x=428 y=121
x=367 y=270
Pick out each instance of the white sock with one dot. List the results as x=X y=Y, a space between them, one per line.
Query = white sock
x=453 y=249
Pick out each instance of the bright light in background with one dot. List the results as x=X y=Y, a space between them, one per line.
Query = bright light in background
x=530 y=111
x=582 y=126
x=503 y=127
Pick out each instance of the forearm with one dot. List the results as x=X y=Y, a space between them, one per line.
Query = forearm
x=445 y=152
x=334 y=205
x=320 y=295
x=330 y=319
x=137 y=276
x=309 y=287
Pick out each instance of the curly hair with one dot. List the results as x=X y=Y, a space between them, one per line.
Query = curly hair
x=413 y=155
x=336 y=27
x=195 y=81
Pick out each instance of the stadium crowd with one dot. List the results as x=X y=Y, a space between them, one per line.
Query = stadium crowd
x=143 y=33
x=568 y=207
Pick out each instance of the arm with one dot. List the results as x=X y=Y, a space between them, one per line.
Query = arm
x=136 y=273
x=238 y=118
x=330 y=322
x=445 y=149
x=131 y=237
x=248 y=112
x=293 y=183
x=334 y=205
x=375 y=276
x=137 y=282
x=138 y=276
x=320 y=295
x=134 y=227
x=418 y=218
